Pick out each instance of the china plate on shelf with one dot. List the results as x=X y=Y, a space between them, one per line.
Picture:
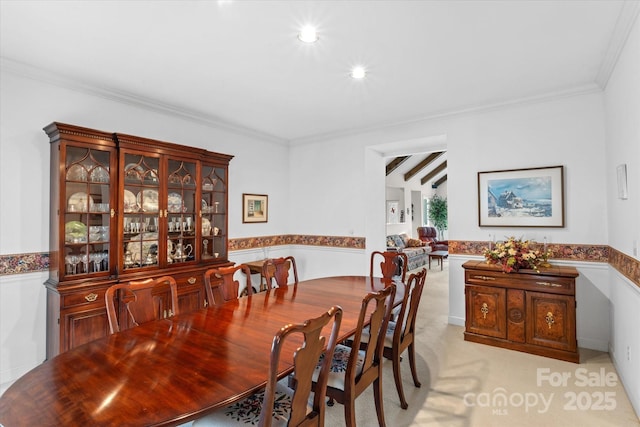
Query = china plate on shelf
x=79 y=202
x=130 y=202
x=133 y=171
x=174 y=203
x=148 y=199
x=75 y=232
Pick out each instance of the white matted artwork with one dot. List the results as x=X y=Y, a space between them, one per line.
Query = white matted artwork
x=622 y=182
x=532 y=197
x=393 y=214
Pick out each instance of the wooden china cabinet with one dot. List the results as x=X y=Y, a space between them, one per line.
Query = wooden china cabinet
x=528 y=311
x=127 y=208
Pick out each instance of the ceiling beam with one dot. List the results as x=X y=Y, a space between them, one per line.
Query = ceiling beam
x=440 y=181
x=393 y=165
x=434 y=172
x=423 y=164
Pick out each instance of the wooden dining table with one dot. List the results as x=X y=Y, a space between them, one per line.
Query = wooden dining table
x=173 y=370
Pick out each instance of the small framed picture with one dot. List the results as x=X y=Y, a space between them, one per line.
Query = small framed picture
x=393 y=216
x=255 y=208
x=622 y=182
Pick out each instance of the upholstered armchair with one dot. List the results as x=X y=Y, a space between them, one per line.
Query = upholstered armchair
x=430 y=236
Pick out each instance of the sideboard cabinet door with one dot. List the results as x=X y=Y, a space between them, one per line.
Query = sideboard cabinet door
x=486 y=310
x=551 y=320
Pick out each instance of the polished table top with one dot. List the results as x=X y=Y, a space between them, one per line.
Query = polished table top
x=173 y=370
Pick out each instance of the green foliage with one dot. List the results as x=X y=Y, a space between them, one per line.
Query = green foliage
x=438 y=212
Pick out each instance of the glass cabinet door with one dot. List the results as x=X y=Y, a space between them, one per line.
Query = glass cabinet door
x=140 y=212
x=182 y=205
x=87 y=212
x=213 y=212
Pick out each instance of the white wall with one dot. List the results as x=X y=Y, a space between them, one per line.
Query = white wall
x=622 y=104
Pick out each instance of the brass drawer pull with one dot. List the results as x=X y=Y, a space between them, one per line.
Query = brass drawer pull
x=91 y=297
x=192 y=280
x=553 y=285
x=484 y=278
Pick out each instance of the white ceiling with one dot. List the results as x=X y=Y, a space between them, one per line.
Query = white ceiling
x=239 y=64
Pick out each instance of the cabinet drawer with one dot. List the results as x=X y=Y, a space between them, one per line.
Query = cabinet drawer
x=532 y=282
x=84 y=297
x=194 y=278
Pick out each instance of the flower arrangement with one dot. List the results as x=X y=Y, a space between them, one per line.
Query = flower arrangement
x=514 y=254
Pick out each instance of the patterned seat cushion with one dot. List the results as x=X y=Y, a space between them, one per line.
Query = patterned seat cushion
x=339 y=366
x=247 y=411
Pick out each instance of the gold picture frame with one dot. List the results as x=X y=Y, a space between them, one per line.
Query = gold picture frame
x=255 y=208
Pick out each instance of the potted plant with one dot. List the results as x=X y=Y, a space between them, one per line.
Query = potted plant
x=438 y=214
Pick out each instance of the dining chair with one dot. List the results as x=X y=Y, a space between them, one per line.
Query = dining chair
x=400 y=334
x=391 y=264
x=353 y=370
x=278 y=404
x=144 y=301
x=278 y=269
x=226 y=289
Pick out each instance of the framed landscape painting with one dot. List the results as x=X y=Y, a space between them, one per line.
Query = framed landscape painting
x=254 y=207
x=521 y=197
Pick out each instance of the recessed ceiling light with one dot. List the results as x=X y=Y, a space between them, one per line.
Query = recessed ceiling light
x=358 y=72
x=308 y=34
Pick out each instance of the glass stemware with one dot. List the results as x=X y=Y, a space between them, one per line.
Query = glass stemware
x=96 y=259
x=84 y=260
x=105 y=260
x=73 y=260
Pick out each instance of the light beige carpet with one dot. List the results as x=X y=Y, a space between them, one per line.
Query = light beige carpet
x=466 y=384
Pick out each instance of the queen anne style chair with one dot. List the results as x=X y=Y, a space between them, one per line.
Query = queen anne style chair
x=144 y=301
x=393 y=264
x=400 y=334
x=279 y=405
x=221 y=292
x=353 y=370
x=278 y=269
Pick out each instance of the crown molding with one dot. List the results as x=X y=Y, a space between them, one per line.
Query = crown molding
x=624 y=25
x=477 y=109
x=50 y=77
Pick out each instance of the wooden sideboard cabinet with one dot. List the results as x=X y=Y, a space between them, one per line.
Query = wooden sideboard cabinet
x=529 y=311
x=126 y=208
